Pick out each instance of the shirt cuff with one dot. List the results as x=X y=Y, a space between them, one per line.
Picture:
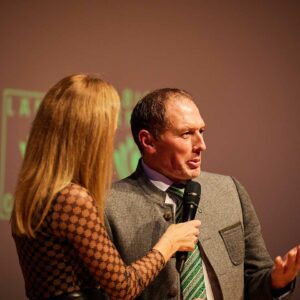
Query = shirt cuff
x=280 y=294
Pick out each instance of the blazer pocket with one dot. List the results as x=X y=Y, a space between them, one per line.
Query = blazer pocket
x=233 y=237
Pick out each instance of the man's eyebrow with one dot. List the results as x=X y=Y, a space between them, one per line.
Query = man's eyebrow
x=203 y=126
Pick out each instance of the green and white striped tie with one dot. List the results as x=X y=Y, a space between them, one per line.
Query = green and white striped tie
x=192 y=277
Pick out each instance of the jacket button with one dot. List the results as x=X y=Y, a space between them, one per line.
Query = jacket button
x=167 y=216
x=172 y=292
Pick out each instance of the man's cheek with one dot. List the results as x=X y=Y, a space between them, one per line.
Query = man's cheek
x=176 y=164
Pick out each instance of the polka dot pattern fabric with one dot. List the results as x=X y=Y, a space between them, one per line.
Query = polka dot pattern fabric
x=72 y=251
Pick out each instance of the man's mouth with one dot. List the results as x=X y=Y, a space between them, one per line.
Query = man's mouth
x=194 y=163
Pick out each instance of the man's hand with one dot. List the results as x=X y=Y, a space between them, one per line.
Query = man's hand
x=285 y=269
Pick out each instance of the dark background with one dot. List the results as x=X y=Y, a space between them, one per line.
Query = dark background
x=239 y=59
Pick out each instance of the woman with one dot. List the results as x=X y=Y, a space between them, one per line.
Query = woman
x=57 y=220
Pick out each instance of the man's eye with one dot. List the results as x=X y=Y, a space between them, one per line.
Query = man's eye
x=186 y=134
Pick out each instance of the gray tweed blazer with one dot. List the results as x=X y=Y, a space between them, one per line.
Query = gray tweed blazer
x=233 y=249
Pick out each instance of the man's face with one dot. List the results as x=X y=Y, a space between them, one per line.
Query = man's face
x=178 y=149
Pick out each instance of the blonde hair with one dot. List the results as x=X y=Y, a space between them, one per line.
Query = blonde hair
x=71 y=140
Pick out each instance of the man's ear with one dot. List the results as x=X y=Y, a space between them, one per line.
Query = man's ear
x=147 y=141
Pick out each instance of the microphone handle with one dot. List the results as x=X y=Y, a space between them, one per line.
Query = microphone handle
x=180 y=260
x=189 y=214
x=181 y=256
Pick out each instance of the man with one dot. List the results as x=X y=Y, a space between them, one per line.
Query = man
x=232 y=257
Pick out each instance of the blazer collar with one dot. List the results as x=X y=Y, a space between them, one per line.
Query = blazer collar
x=150 y=190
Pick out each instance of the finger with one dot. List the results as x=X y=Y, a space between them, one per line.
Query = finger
x=196 y=223
x=191 y=247
x=278 y=264
x=290 y=264
x=298 y=258
x=196 y=232
x=293 y=250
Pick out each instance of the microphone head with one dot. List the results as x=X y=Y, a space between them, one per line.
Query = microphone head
x=192 y=193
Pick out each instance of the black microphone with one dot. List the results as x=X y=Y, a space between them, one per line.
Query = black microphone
x=191 y=199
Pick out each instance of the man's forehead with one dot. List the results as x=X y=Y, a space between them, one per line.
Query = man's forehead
x=183 y=112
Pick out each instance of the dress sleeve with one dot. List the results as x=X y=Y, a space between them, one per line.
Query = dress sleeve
x=75 y=217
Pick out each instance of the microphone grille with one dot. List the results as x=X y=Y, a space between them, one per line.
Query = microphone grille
x=193 y=188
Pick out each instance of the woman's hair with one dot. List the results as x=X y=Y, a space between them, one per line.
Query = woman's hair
x=71 y=140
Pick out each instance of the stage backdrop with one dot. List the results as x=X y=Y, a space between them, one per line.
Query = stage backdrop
x=239 y=59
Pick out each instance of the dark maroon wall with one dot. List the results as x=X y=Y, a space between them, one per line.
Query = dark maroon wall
x=240 y=60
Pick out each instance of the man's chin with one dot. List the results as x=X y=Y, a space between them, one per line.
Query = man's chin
x=191 y=174
x=184 y=175
x=195 y=172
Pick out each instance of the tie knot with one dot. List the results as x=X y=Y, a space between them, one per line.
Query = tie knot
x=176 y=193
x=176 y=189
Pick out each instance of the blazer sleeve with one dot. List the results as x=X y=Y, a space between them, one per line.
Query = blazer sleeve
x=258 y=263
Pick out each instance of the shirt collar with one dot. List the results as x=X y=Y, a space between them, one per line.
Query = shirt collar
x=159 y=180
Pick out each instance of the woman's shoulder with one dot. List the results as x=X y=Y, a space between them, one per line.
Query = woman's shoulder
x=74 y=189
x=74 y=194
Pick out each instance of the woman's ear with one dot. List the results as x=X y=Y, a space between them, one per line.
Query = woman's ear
x=147 y=141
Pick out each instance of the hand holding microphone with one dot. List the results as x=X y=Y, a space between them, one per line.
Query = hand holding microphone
x=191 y=199
x=178 y=237
x=182 y=236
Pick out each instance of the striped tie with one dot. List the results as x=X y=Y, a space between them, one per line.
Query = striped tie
x=192 y=277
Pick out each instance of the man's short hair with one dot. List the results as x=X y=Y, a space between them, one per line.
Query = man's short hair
x=150 y=112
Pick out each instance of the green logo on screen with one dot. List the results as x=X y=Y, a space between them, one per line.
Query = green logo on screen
x=18 y=110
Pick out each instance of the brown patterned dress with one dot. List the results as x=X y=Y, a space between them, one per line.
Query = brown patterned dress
x=72 y=251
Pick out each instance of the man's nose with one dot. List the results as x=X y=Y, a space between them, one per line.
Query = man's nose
x=199 y=143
